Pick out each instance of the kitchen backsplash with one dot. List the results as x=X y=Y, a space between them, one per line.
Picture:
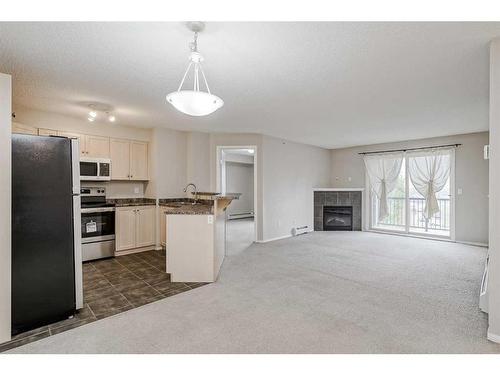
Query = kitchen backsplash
x=119 y=189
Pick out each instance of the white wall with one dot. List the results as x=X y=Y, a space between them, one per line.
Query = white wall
x=471 y=176
x=198 y=160
x=48 y=120
x=494 y=186
x=239 y=179
x=5 y=206
x=290 y=172
x=168 y=164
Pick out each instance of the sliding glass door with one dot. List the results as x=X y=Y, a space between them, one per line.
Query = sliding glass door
x=408 y=209
x=396 y=217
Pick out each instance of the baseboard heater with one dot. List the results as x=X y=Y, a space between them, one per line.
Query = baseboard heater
x=300 y=230
x=240 y=215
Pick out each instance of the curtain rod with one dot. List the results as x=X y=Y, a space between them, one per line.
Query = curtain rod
x=409 y=149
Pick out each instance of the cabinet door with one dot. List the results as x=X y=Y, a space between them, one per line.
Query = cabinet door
x=145 y=226
x=125 y=228
x=139 y=161
x=47 y=132
x=81 y=140
x=163 y=227
x=23 y=129
x=97 y=147
x=120 y=159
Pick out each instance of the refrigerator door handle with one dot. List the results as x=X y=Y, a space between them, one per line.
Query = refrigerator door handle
x=77 y=223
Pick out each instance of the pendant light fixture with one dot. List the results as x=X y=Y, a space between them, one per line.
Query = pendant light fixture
x=195 y=102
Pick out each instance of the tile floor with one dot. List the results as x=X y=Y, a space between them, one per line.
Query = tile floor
x=111 y=286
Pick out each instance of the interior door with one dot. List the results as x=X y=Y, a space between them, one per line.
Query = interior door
x=125 y=228
x=139 y=161
x=97 y=147
x=146 y=226
x=120 y=159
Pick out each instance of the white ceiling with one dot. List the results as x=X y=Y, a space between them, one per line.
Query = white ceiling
x=328 y=84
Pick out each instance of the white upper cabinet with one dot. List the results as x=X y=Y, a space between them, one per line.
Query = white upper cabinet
x=96 y=146
x=139 y=161
x=80 y=137
x=47 y=132
x=19 y=128
x=120 y=159
x=129 y=160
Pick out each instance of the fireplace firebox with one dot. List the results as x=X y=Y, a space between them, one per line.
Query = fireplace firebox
x=337 y=218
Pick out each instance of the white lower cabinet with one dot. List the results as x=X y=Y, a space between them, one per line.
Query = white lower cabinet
x=135 y=227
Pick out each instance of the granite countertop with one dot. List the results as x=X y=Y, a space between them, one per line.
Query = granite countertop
x=125 y=202
x=185 y=206
x=214 y=196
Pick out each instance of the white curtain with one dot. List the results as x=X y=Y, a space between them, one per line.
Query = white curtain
x=383 y=171
x=429 y=171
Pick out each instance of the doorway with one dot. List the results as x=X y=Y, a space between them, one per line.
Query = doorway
x=406 y=206
x=237 y=176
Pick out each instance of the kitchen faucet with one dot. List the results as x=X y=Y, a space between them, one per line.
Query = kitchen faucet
x=195 y=191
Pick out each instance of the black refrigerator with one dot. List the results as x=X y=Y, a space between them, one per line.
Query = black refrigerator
x=46 y=234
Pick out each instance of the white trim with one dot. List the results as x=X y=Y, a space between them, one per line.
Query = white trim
x=218 y=155
x=275 y=239
x=479 y=244
x=338 y=189
x=493 y=337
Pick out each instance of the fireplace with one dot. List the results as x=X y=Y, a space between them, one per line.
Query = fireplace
x=337 y=217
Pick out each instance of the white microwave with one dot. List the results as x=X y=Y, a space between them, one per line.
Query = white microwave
x=92 y=169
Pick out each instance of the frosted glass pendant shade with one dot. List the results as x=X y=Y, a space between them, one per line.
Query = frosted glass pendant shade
x=194 y=103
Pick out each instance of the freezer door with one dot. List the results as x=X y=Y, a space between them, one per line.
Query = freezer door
x=43 y=253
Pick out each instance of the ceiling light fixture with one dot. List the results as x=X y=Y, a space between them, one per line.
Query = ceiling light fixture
x=195 y=102
x=91 y=119
x=111 y=118
x=93 y=114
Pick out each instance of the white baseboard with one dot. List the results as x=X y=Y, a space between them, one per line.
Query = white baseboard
x=493 y=337
x=480 y=244
x=274 y=239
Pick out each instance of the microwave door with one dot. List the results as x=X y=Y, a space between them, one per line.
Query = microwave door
x=88 y=170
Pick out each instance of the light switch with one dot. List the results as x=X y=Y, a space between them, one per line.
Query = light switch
x=459 y=191
x=349 y=179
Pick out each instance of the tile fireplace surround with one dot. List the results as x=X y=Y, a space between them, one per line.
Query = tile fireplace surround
x=338 y=197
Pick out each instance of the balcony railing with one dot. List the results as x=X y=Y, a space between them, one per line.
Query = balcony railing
x=396 y=217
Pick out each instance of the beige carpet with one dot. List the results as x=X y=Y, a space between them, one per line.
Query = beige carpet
x=345 y=292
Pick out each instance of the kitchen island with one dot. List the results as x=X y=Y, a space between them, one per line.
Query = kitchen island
x=196 y=237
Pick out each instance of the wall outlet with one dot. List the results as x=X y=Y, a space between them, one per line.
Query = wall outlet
x=136 y=190
x=349 y=179
x=210 y=219
x=459 y=191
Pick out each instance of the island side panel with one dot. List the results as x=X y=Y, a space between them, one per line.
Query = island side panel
x=220 y=236
x=190 y=250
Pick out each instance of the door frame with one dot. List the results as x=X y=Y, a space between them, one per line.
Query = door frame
x=219 y=172
x=407 y=232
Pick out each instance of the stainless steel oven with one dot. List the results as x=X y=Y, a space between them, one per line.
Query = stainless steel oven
x=98 y=224
x=95 y=169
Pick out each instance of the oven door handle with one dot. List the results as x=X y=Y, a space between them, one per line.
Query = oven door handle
x=98 y=209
